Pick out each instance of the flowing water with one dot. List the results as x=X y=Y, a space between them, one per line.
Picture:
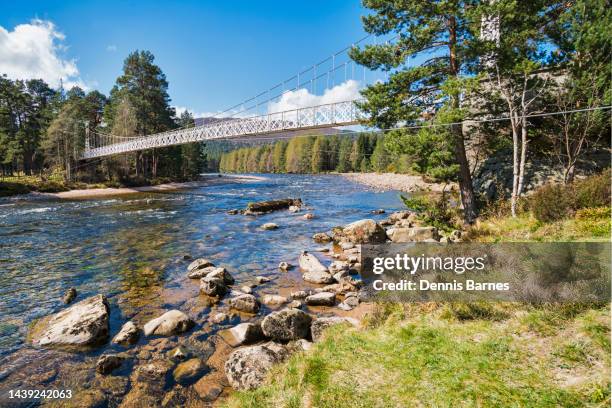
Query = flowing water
x=131 y=248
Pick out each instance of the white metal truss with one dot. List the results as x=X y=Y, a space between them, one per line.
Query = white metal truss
x=322 y=116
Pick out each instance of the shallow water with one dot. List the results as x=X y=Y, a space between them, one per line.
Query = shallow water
x=130 y=248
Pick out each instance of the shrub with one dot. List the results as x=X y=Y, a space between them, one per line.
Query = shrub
x=593 y=191
x=551 y=202
x=435 y=212
x=591 y=214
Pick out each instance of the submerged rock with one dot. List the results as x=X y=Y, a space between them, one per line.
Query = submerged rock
x=263 y=207
x=245 y=303
x=287 y=324
x=274 y=300
x=269 y=226
x=108 y=362
x=308 y=216
x=171 y=322
x=70 y=295
x=188 y=371
x=83 y=324
x=246 y=368
x=294 y=208
x=364 y=232
x=128 y=334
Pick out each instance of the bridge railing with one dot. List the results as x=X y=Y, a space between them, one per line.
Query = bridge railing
x=328 y=115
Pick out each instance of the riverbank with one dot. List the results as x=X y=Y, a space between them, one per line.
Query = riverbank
x=100 y=191
x=400 y=182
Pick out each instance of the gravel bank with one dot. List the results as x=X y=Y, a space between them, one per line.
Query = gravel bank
x=392 y=181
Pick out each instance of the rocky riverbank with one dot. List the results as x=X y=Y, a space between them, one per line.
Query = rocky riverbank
x=393 y=181
x=229 y=334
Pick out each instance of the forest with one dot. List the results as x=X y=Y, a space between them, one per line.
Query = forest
x=42 y=130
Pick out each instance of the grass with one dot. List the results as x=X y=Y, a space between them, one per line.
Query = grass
x=412 y=358
x=593 y=226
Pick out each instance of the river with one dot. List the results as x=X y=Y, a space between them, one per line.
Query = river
x=131 y=248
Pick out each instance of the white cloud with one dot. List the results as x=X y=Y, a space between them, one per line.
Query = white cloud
x=34 y=51
x=301 y=98
x=111 y=48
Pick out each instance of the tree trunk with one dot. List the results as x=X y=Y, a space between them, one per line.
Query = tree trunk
x=515 y=168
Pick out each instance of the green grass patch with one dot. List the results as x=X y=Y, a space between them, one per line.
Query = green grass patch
x=426 y=360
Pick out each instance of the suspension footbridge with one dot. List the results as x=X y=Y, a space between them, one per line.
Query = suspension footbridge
x=238 y=122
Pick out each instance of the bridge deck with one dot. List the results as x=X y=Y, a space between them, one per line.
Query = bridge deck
x=323 y=116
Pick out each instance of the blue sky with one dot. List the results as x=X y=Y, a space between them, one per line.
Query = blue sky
x=214 y=53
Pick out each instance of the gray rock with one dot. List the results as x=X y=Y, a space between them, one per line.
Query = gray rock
x=310 y=263
x=223 y=274
x=201 y=272
x=170 y=323
x=269 y=226
x=244 y=333
x=285 y=266
x=346 y=245
x=322 y=323
x=349 y=303
x=286 y=325
x=70 y=295
x=318 y=277
x=296 y=304
x=294 y=208
x=245 y=303
x=108 y=362
x=199 y=264
x=263 y=207
x=178 y=353
x=128 y=334
x=274 y=300
x=308 y=216
x=83 y=324
x=321 y=238
x=246 y=289
x=341 y=275
x=246 y=368
x=414 y=234
x=262 y=279
x=218 y=318
x=300 y=294
x=364 y=232
x=321 y=299
x=213 y=286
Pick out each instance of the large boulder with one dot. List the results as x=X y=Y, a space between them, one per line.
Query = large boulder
x=310 y=263
x=321 y=299
x=245 y=303
x=170 y=323
x=364 y=232
x=127 y=335
x=286 y=325
x=213 y=286
x=263 y=207
x=319 y=325
x=318 y=277
x=246 y=368
x=414 y=234
x=83 y=324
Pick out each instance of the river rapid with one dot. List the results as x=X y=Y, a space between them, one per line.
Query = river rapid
x=133 y=249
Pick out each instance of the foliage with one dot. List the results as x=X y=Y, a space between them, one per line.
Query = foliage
x=433 y=210
x=555 y=201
